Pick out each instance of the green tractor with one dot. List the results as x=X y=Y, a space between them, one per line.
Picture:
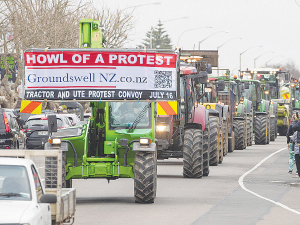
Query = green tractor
x=118 y=140
x=260 y=111
x=276 y=89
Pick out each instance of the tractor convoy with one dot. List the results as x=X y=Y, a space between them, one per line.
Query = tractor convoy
x=153 y=104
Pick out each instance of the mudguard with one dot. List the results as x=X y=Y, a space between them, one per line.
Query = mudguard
x=240 y=112
x=199 y=116
x=248 y=105
x=213 y=108
x=264 y=106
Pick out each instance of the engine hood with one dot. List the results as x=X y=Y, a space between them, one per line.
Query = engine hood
x=12 y=211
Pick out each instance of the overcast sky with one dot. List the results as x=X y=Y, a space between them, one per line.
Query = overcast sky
x=272 y=24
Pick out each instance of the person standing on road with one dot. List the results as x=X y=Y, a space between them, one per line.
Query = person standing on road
x=290 y=147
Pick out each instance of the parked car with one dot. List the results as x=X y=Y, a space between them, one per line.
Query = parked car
x=23 y=199
x=10 y=132
x=36 y=129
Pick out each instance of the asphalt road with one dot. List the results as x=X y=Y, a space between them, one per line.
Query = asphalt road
x=242 y=190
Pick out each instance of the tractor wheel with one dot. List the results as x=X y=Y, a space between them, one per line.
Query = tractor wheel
x=251 y=127
x=272 y=128
x=145 y=175
x=268 y=130
x=239 y=132
x=192 y=153
x=261 y=129
x=245 y=132
x=225 y=138
x=231 y=144
x=221 y=148
x=213 y=135
x=248 y=130
x=206 y=151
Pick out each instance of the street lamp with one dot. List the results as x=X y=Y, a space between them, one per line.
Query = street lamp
x=221 y=46
x=244 y=52
x=273 y=58
x=211 y=35
x=260 y=56
x=189 y=30
x=135 y=6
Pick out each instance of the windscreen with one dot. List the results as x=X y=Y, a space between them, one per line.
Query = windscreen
x=250 y=93
x=14 y=183
x=123 y=114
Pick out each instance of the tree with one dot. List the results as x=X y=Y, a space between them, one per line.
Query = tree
x=157 y=38
x=289 y=65
x=55 y=23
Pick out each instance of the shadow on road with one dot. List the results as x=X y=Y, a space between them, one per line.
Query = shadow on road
x=169 y=163
x=169 y=176
x=112 y=200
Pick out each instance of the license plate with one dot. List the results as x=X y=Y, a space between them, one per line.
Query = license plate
x=43 y=133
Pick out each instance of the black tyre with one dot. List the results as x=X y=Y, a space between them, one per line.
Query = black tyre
x=206 y=151
x=231 y=144
x=272 y=128
x=261 y=129
x=251 y=127
x=192 y=153
x=268 y=130
x=145 y=175
x=239 y=134
x=220 y=145
x=248 y=130
x=213 y=135
x=225 y=137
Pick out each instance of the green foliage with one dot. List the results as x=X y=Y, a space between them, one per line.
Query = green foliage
x=157 y=38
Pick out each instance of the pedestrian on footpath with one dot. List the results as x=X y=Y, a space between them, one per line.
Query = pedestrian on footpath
x=296 y=139
x=290 y=146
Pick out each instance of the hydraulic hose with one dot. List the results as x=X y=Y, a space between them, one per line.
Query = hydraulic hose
x=75 y=153
x=126 y=151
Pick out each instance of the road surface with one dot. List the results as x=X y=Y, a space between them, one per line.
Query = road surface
x=251 y=186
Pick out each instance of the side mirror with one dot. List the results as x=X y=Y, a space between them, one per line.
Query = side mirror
x=48 y=198
x=246 y=85
x=208 y=68
x=221 y=85
x=52 y=124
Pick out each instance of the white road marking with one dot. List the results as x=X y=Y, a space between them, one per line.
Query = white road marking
x=241 y=183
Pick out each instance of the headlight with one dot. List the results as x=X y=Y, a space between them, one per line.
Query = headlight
x=145 y=141
x=162 y=128
x=56 y=141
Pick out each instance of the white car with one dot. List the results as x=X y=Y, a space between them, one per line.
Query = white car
x=22 y=194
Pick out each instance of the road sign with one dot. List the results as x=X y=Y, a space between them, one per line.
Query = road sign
x=31 y=107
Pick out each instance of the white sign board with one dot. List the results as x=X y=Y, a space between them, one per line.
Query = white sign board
x=83 y=75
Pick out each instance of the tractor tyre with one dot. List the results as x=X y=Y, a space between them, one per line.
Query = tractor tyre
x=239 y=133
x=248 y=130
x=268 y=130
x=231 y=144
x=225 y=137
x=220 y=143
x=261 y=129
x=145 y=176
x=251 y=127
x=213 y=135
x=206 y=151
x=272 y=129
x=192 y=153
